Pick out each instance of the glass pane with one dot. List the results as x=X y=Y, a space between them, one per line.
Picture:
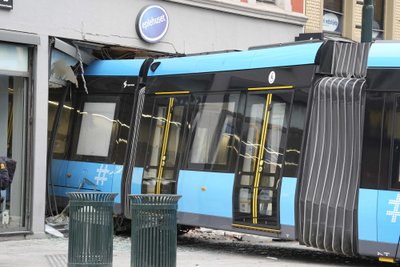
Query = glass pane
x=213 y=128
x=96 y=129
x=334 y=5
x=13 y=58
x=168 y=174
x=245 y=198
x=378 y=22
x=149 y=186
x=333 y=14
x=246 y=179
x=150 y=173
x=293 y=145
x=266 y=209
x=13 y=127
x=332 y=22
x=379 y=10
x=167 y=186
x=52 y=110
x=61 y=137
x=371 y=139
x=396 y=148
x=276 y=126
x=174 y=135
x=145 y=123
x=252 y=132
x=267 y=181
x=265 y=202
x=158 y=126
x=62 y=132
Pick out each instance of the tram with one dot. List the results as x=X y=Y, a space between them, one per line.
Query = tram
x=296 y=141
x=89 y=131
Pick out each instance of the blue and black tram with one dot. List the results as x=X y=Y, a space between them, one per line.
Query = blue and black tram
x=295 y=141
x=89 y=131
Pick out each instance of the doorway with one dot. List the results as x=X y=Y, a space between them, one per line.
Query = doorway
x=258 y=175
x=13 y=143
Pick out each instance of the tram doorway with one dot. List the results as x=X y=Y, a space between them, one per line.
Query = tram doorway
x=163 y=152
x=259 y=171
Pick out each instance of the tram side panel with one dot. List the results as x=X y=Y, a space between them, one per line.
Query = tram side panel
x=214 y=143
x=96 y=139
x=379 y=197
x=290 y=181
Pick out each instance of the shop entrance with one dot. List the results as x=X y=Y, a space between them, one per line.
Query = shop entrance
x=13 y=135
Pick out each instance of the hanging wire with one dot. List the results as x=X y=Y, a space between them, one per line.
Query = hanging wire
x=82 y=69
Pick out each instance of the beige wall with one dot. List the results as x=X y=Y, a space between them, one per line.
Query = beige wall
x=353 y=18
x=313 y=11
x=395 y=19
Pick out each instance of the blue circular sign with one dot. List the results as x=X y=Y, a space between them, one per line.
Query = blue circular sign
x=152 y=23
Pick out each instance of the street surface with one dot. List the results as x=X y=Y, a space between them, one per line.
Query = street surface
x=230 y=249
x=198 y=248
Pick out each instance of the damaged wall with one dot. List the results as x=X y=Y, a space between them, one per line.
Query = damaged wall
x=195 y=26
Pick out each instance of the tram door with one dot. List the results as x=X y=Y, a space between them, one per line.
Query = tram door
x=260 y=160
x=163 y=150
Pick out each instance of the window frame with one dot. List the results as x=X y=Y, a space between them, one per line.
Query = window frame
x=394 y=179
x=78 y=125
x=230 y=165
x=340 y=15
x=380 y=31
x=71 y=122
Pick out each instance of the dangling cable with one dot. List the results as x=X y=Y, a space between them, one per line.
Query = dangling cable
x=82 y=69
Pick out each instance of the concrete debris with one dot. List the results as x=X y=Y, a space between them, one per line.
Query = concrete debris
x=52 y=231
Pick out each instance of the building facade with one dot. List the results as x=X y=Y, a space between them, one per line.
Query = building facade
x=40 y=40
x=344 y=18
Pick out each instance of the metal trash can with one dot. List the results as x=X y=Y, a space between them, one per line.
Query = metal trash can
x=154 y=230
x=90 y=229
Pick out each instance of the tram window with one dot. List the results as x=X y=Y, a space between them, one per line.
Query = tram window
x=372 y=140
x=276 y=129
x=144 y=133
x=60 y=145
x=245 y=199
x=295 y=133
x=61 y=142
x=386 y=142
x=213 y=133
x=123 y=120
x=396 y=148
x=96 y=129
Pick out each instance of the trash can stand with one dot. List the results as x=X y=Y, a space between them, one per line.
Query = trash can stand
x=154 y=232
x=90 y=241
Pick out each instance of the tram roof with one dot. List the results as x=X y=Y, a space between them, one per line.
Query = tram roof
x=118 y=67
x=384 y=54
x=278 y=56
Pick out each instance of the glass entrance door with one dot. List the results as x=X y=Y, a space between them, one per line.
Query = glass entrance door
x=13 y=131
x=260 y=160
x=163 y=151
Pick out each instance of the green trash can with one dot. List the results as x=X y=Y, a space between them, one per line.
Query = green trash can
x=90 y=241
x=153 y=230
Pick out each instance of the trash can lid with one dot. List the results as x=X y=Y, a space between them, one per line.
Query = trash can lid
x=154 y=199
x=92 y=196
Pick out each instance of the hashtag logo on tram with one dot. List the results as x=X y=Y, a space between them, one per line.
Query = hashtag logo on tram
x=102 y=174
x=395 y=212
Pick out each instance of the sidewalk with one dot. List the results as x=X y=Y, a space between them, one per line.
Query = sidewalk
x=198 y=248
x=53 y=252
